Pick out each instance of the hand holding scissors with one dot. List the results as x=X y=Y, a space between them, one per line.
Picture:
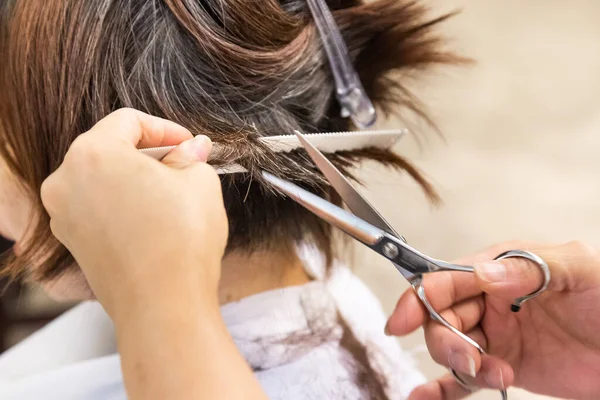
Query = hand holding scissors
x=368 y=227
x=551 y=347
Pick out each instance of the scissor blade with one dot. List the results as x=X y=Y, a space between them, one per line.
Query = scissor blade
x=408 y=261
x=353 y=199
x=336 y=216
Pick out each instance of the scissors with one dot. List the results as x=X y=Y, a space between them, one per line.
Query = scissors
x=366 y=225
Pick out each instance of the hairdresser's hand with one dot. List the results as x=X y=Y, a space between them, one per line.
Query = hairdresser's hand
x=139 y=229
x=149 y=238
x=552 y=346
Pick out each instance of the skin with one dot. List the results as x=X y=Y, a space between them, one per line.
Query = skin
x=139 y=309
x=550 y=347
x=242 y=275
x=163 y=316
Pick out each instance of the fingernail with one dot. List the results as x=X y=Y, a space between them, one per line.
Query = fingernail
x=495 y=379
x=491 y=271
x=462 y=363
x=386 y=330
x=202 y=146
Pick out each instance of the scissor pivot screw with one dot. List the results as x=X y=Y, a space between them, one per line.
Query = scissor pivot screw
x=390 y=250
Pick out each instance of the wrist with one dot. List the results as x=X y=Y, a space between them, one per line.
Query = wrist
x=149 y=302
x=180 y=336
x=173 y=321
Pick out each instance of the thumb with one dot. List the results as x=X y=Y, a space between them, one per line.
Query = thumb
x=189 y=152
x=509 y=278
x=572 y=265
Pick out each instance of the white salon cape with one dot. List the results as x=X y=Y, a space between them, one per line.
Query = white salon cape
x=75 y=356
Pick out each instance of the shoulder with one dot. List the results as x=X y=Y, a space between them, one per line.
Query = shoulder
x=322 y=373
x=73 y=357
x=97 y=379
x=363 y=313
x=83 y=333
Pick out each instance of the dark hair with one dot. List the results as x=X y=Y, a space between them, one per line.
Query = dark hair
x=234 y=70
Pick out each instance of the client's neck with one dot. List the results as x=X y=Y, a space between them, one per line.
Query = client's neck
x=243 y=275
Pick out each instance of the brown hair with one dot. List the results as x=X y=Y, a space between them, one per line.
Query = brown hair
x=234 y=71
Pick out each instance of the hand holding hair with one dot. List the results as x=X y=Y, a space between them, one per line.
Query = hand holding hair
x=550 y=347
x=123 y=214
x=149 y=237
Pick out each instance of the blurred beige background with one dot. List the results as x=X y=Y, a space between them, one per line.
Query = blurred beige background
x=520 y=155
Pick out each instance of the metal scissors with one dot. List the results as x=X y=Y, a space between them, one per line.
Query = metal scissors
x=367 y=226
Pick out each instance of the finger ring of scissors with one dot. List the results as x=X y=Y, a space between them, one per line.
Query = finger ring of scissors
x=541 y=264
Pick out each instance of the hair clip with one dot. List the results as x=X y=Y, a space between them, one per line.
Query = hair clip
x=349 y=90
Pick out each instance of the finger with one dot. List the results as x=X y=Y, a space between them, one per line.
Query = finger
x=509 y=278
x=445 y=388
x=208 y=177
x=491 y=372
x=573 y=266
x=452 y=351
x=443 y=289
x=189 y=152
x=140 y=129
x=495 y=374
x=478 y=336
x=464 y=316
x=53 y=193
x=57 y=232
x=453 y=287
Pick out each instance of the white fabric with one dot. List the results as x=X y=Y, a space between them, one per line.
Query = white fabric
x=289 y=336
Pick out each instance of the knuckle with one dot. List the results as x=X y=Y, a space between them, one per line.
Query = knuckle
x=452 y=318
x=502 y=247
x=438 y=339
x=583 y=249
x=80 y=144
x=208 y=175
x=125 y=113
x=437 y=349
x=481 y=305
x=60 y=231
x=522 y=267
x=127 y=118
x=479 y=337
x=52 y=193
x=83 y=150
x=77 y=145
x=451 y=288
x=53 y=227
x=56 y=232
x=46 y=188
x=47 y=193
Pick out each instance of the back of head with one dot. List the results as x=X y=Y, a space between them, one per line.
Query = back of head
x=234 y=70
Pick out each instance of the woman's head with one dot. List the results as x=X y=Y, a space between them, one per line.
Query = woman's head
x=234 y=70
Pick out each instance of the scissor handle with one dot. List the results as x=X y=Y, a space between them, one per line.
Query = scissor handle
x=516 y=306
